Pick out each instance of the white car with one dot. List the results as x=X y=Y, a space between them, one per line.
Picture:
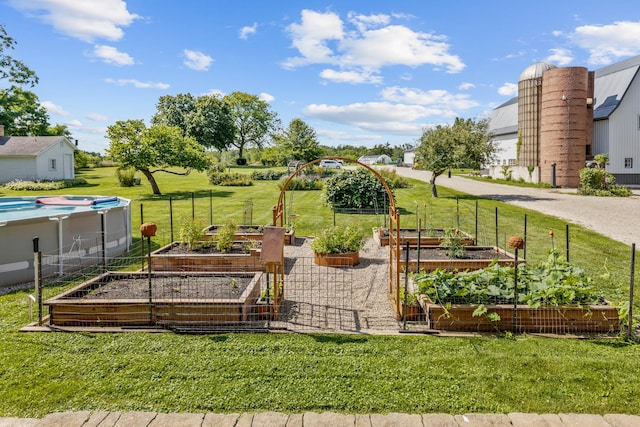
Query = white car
x=330 y=164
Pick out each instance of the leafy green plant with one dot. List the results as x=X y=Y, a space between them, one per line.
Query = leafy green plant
x=507 y=172
x=44 y=185
x=552 y=283
x=218 y=175
x=192 y=233
x=599 y=182
x=225 y=236
x=392 y=178
x=126 y=176
x=453 y=240
x=337 y=240
x=354 y=190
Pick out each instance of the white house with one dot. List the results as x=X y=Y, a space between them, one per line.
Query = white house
x=409 y=157
x=375 y=159
x=32 y=158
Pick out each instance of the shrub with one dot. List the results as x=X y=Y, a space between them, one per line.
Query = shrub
x=266 y=175
x=192 y=233
x=393 y=179
x=44 y=185
x=225 y=237
x=126 y=176
x=338 y=240
x=218 y=175
x=599 y=182
x=301 y=183
x=354 y=190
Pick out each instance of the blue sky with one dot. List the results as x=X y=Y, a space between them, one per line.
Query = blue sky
x=358 y=72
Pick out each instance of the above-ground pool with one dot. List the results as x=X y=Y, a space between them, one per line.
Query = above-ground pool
x=67 y=227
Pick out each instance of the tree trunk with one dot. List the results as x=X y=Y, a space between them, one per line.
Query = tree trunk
x=154 y=185
x=432 y=181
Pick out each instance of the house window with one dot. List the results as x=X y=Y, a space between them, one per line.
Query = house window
x=628 y=162
x=52 y=164
x=512 y=162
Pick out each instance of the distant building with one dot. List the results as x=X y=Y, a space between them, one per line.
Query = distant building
x=375 y=159
x=33 y=158
x=563 y=116
x=408 y=158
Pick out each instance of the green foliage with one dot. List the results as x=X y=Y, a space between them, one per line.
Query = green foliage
x=602 y=159
x=393 y=179
x=299 y=142
x=21 y=112
x=453 y=241
x=599 y=182
x=354 y=189
x=552 y=283
x=126 y=176
x=301 y=183
x=338 y=239
x=267 y=175
x=134 y=145
x=253 y=120
x=465 y=143
x=44 y=185
x=219 y=175
x=225 y=236
x=192 y=233
x=507 y=172
x=84 y=159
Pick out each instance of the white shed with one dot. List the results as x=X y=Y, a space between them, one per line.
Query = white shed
x=33 y=158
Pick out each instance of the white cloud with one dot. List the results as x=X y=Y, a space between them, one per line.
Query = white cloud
x=266 y=97
x=466 y=86
x=440 y=98
x=246 y=31
x=350 y=76
x=197 y=60
x=508 y=89
x=364 y=22
x=376 y=116
x=560 y=56
x=111 y=55
x=138 y=84
x=607 y=43
x=54 y=109
x=96 y=117
x=214 y=92
x=311 y=36
x=73 y=124
x=84 y=20
x=320 y=38
x=337 y=135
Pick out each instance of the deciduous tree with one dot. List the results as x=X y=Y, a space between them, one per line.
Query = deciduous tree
x=253 y=120
x=299 y=141
x=464 y=143
x=154 y=149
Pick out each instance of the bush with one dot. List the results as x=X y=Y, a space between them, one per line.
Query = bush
x=225 y=237
x=357 y=189
x=393 y=179
x=338 y=240
x=301 y=183
x=44 y=185
x=126 y=176
x=219 y=176
x=599 y=182
x=192 y=233
x=266 y=175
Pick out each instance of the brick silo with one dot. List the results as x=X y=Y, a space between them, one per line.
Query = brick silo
x=566 y=121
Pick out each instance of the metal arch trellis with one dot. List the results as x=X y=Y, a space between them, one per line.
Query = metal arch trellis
x=394 y=223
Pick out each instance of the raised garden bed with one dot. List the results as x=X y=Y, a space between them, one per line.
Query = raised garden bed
x=249 y=232
x=432 y=237
x=476 y=257
x=348 y=259
x=551 y=320
x=177 y=299
x=177 y=257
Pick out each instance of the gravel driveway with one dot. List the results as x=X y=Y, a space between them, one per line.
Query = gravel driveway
x=614 y=217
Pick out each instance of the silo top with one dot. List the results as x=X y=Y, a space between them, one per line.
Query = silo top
x=534 y=71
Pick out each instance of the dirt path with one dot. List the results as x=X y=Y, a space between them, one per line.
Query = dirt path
x=614 y=217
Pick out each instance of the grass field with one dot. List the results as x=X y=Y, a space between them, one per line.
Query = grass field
x=42 y=373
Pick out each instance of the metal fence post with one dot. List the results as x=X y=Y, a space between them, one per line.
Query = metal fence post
x=631 y=333
x=37 y=272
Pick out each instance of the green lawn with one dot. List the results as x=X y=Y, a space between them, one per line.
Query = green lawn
x=42 y=373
